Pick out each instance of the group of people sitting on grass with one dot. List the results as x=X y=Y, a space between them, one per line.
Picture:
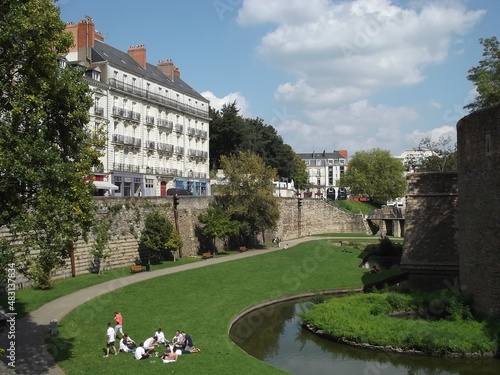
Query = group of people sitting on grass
x=181 y=343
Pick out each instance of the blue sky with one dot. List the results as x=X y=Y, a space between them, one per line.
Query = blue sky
x=327 y=74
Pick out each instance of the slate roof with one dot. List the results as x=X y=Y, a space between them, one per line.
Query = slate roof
x=320 y=155
x=104 y=52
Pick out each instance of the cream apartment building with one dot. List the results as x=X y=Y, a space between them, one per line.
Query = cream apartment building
x=157 y=125
x=324 y=169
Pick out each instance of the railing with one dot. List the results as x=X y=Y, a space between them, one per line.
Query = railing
x=169 y=125
x=150 y=120
x=164 y=147
x=179 y=150
x=179 y=128
x=113 y=82
x=125 y=167
x=99 y=111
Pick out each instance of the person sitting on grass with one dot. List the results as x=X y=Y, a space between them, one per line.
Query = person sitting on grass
x=168 y=357
x=374 y=269
x=178 y=340
x=189 y=345
x=160 y=337
x=127 y=345
x=140 y=352
x=150 y=344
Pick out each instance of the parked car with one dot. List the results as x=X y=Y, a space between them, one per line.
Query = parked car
x=175 y=191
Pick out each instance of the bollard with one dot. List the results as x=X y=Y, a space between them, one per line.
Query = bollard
x=53 y=327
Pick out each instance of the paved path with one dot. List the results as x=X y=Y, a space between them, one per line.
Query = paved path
x=32 y=355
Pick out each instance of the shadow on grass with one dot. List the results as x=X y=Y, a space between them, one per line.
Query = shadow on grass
x=23 y=350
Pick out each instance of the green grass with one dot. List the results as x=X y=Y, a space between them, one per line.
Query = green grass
x=202 y=302
x=30 y=299
x=354 y=207
x=364 y=318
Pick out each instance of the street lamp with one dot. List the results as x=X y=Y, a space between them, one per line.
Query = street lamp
x=189 y=187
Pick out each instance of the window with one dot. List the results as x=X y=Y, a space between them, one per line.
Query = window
x=318 y=162
x=149 y=183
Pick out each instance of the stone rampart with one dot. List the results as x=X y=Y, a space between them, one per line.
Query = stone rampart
x=430 y=251
x=127 y=215
x=478 y=141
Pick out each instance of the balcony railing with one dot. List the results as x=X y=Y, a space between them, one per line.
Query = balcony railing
x=165 y=124
x=179 y=128
x=99 y=111
x=164 y=147
x=160 y=99
x=125 y=167
x=150 y=120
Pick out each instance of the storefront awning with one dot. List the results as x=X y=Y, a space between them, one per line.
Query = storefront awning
x=105 y=185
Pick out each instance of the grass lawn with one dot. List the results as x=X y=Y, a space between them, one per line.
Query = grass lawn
x=30 y=299
x=202 y=302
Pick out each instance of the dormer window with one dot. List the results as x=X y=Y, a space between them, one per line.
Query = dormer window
x=96 y=75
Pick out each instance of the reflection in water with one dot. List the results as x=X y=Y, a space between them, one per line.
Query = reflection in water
x=273 y=334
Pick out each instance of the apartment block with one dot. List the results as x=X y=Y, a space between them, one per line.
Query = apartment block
x=324 y=169
x=157 y=125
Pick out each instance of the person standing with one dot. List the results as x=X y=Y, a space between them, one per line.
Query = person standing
x=110 y=343
x=119 y=323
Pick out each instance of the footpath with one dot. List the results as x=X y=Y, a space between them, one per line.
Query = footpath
x=32 y=356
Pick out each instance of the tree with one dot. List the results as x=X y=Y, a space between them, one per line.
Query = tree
x=46 y=151
x=174 y=243
x=486 y=76
x=218 y=224
x=375 y=175
x=156 y=233
x=100 y=247
x=246 y=194
x=441 y=156
x=228 y=131
x=299 y=174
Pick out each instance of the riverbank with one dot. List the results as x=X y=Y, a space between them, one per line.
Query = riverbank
x=441 y=324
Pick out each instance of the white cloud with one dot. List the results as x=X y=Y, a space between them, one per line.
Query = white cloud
x=357 y=126
x=434 y=134
x=217 y=103
x=341 y=53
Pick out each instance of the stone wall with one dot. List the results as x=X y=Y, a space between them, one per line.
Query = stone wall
x=478 y=141
x=430 y=251
x=127 y=216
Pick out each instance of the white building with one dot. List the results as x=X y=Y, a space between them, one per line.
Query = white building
x=324 y=170
x=157 y=125
x=413 y=157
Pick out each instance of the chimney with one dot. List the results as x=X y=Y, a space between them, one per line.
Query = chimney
x=343 y=153
x=168 y=68
x=84 y=34
x=177 y=72
x=139 y=54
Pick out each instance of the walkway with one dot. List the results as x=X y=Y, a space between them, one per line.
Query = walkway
x=32 y=355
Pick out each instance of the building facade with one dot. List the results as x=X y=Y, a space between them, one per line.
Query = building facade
x=157 y=126
x=324 y=170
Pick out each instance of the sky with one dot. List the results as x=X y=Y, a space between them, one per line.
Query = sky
x=326 y=74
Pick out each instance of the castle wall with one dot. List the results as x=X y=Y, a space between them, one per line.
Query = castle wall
x=127 y=215
x=430 y=251
x=478 y=141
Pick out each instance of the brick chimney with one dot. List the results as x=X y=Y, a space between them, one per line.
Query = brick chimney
x=138 y=52
x=343 y=153
x=84 y=34
x=169 y=69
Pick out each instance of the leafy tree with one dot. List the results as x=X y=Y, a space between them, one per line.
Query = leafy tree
x=46 y=151
x=443 y=156
x=228 y=131
x=486 y=76
x=375 y=175
x=174 y=243
x=218 y=224
x=299 y=174
x=100 y=247
x=230 y=134
x=156 y=233
x=246 y=194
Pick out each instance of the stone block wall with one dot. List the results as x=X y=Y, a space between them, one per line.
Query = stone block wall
x=127 y=216
x=430 y=251
x=478 y=141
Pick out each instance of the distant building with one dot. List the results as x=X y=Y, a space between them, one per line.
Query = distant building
x=413 y=157
x=156 y=124
x=324 y=170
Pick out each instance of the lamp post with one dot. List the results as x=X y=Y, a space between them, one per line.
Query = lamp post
x=189 y=182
